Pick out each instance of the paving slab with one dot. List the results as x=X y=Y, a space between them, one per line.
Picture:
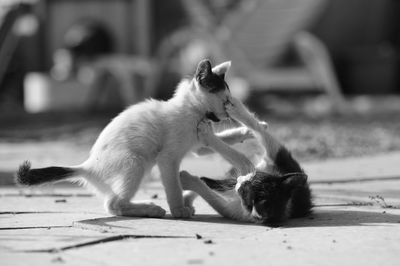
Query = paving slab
x=335 y=236
x=356 y=221
x=52 y=238
x=376 y=167
x=345 y=235
x=78 y=232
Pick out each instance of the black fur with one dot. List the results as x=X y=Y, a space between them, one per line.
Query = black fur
x=301 y=197
x=28 y=176
x=209 y=80
x=301 y=202
x=221 y=184
x=285 y=162
x=269 y=193
x=212 y=117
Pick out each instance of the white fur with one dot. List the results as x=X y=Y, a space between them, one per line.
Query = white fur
x=222 y=68
x=229 y=204
x=242 y=179
x=147 y=134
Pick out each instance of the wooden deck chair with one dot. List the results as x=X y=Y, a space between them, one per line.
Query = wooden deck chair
x=254 y=36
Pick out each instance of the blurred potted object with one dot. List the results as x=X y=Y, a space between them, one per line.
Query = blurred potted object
x=67 y=87
x=256 y=35
x=42 y=93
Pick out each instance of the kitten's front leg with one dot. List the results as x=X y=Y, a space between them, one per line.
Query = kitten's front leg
x=169 y=170
x=235 y=135
x=238 y=111
x=238 y=160
x=229 y=136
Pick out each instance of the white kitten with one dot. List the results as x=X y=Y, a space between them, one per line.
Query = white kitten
x=146 y=134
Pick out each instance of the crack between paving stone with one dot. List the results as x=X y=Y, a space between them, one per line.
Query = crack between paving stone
x=355 y=180
x=28 y=212
x=100 y=241
x=55 y=195
x=358 y=204
x=45 y=212
x=35 y=227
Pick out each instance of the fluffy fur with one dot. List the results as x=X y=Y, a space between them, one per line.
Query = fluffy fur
x=146 y=134
x=275 y=190
x=28 y=176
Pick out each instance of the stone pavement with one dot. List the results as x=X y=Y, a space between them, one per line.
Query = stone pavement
x=356 y=221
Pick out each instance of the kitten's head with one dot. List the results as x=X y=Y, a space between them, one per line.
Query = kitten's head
x=266 y=196
x=212 y=90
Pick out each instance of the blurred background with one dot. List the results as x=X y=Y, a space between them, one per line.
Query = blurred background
x=325 y=74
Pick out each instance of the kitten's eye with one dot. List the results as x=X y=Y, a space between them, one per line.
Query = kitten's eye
x=261 y=203
x=262 y=207
x=246 y=194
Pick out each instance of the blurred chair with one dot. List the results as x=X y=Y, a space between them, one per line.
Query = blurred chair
x=254 y=35
x=131 y=73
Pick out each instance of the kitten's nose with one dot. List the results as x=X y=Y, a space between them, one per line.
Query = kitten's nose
x=212 y=117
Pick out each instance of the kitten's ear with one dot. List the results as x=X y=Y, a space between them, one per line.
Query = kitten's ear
x=203 y=70
x=222 y=68
x=295 y=180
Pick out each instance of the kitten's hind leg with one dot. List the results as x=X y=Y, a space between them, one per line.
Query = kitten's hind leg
x=229 y=208
x=125 y=187
x=188 y=199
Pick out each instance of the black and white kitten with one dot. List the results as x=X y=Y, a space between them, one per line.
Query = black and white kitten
x=277 y=190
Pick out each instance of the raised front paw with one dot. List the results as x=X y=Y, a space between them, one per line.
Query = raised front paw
x=204 y=130
x=183 y=212
x=263 y=125
x=235 y=108
x=246 y=134
x=232 y=108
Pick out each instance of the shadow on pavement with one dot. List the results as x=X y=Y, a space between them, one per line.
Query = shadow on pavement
x=320 y=218
x=205 y=218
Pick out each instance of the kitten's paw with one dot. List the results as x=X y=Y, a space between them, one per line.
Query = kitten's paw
x=231 y=109
x=183 y=212
x=204 y=130
x=246 y=134
x=234 y=108
x=263 y=124
x=192 y=209
x=188 y=198
x=155 y=211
